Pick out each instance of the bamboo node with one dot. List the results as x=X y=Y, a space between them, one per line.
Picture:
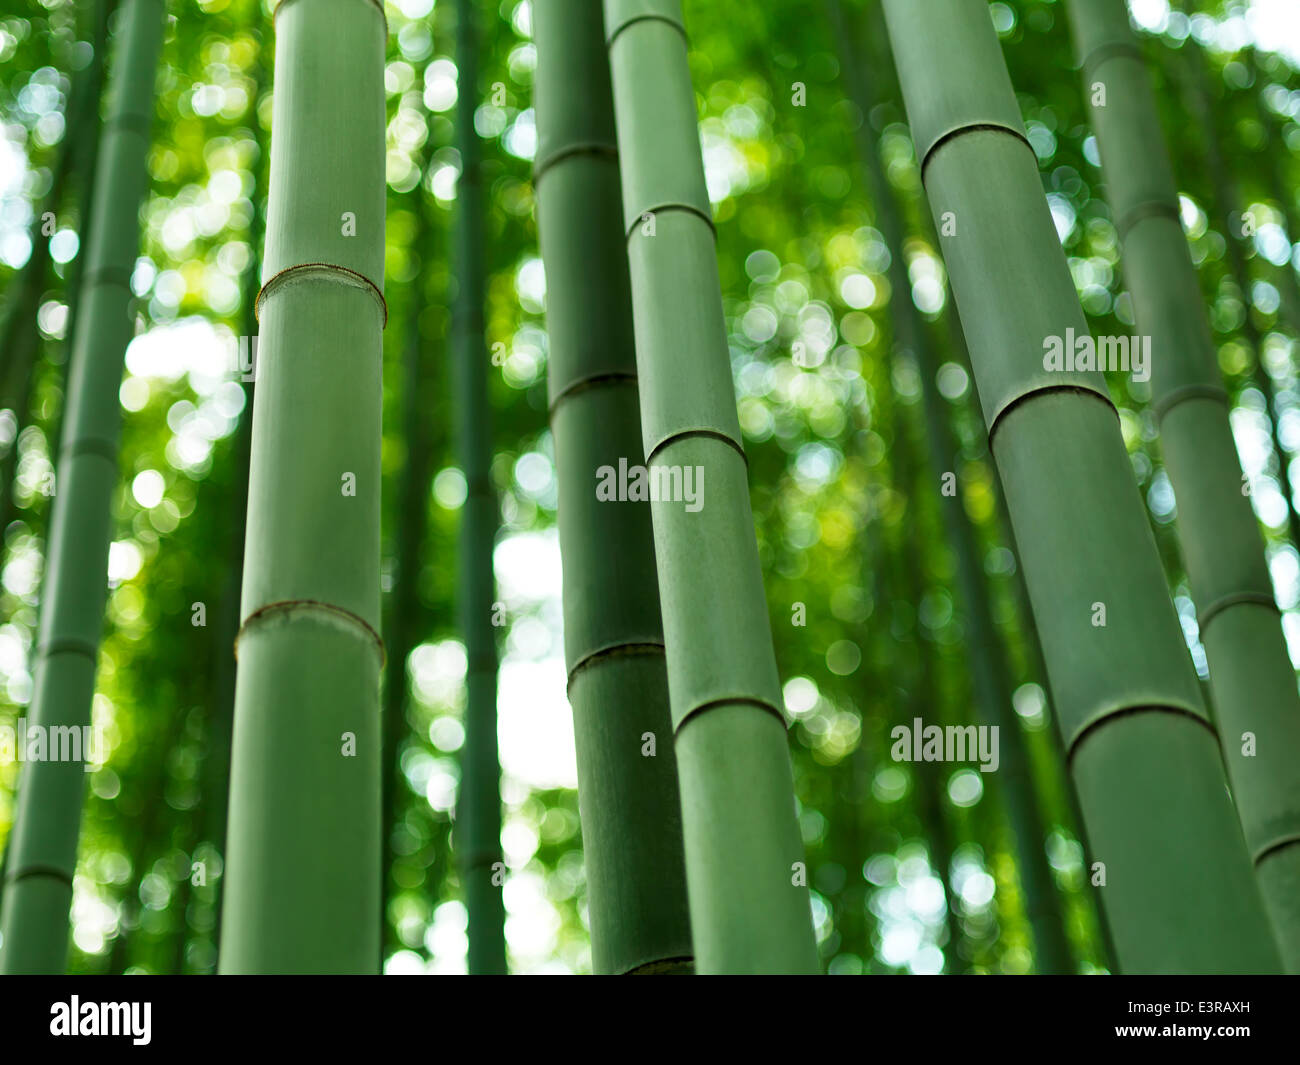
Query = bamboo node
x=681 y=963
x=687 y=207
x=682 y=434
x=108 y=275
x=586 y=384
x=600 y=149
x=1273 y=846
x=89 y=445
x=480 y=860
x=1147 y=209
x=349 y=276
x=646 y=17
x=1170 y=400
x=1109 y=713
x=617 y=650
x=68 y=645
x=1020 y=398
x=741 y=700
x=136 y=122
x=1235 y=599
x=949 y=135
x=312 y=606
x=1110 y=50
x=38 y=869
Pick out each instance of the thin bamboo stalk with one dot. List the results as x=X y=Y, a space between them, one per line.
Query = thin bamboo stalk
x=1141 y=750
x=478 y=832
x=1252 y=682
x=1223 y=209
x=618 y=682
x=924 y=700
x=406 y=613
x=749 y=905
x=1275 y=154
x=43 y=849
x=302 y=876
x=19 y=340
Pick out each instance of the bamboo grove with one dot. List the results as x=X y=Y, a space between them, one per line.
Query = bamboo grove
x=644 y=487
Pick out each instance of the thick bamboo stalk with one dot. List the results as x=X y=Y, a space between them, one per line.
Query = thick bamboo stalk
x=988 y=660
x=618 y=682
x=43 y=850
x=302 y=877
x=1178 y=891
x=478 y=814
x=749 y=907
x=1252 y=682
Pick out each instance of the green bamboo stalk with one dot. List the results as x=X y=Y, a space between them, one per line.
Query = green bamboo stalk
x=749 y=909
x=1224 y=200
x=1178 y=891
x=989 y=668
x=302 y=877
x=618 y=681
x=406 y=612
x=1034 y=647
x=19 y=336
x=220 y=722
x=905 y=580
x=43 y=849
x=478 y=815
x=1274 y=154
x=1252 y=682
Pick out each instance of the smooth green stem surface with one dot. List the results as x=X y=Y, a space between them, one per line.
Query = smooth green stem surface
x=1168 y=858
x=1252 y=681
x=478 y=831
x=302 y=884
x=746 y=876
x=618 y=682
x=43 y=849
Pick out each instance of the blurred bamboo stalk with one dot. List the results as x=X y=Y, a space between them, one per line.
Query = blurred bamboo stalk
x=478 y=811
x=43 y=849
x=1141 y=750
x=614 y=645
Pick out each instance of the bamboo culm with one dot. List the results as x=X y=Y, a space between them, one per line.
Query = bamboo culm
x=1252 y=682
x=746 y=881
x=43 y=848
x=302 y=882
x=1168 y=857
x=407 y=613
x=614 y=649
x=478 y=812
x=1228 y=220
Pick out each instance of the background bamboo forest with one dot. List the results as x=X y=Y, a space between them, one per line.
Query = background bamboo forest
x=894 y=588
